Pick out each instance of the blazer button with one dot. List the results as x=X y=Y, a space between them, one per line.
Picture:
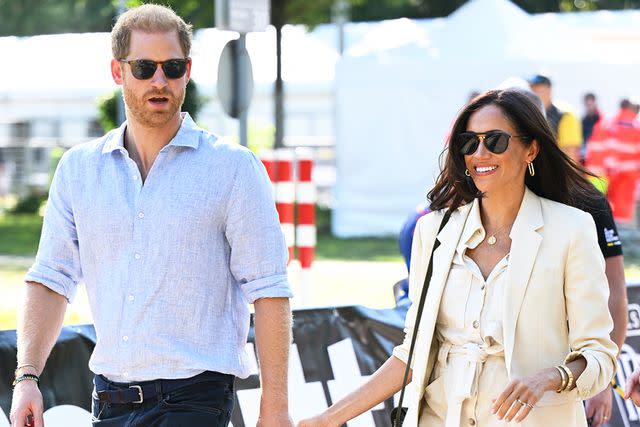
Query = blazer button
x=472 y=422
x=475 y=324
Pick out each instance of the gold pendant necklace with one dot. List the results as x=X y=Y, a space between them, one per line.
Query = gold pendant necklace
x=492 y=239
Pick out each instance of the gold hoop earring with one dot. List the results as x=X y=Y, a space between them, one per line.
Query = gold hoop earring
x=532 y=171
x=466 y=172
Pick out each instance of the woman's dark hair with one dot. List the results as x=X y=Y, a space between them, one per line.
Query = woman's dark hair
x=557 y=177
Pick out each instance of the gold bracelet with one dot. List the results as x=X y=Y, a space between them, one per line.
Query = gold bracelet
x=564 y=379
x=570 y=375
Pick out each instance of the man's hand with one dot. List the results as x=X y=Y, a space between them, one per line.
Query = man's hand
x=598 y=408
x=632 y=390
x=27 y=402
x=274 y=419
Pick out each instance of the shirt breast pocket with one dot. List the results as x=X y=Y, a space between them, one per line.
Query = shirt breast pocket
x=453 y=305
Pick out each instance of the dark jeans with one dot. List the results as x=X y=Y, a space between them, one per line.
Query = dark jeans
x=204 y=400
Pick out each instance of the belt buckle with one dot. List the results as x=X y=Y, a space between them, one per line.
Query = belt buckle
x=139 y=392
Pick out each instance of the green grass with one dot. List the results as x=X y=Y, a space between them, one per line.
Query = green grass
x=19 y=234
x=360 y=249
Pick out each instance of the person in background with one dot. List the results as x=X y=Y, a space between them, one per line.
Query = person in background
x=613 y=152
x=405 y=241
x=564 y=123
x=174 y=232
x=591 y=116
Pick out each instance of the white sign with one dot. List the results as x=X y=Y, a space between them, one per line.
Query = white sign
x=243 y=16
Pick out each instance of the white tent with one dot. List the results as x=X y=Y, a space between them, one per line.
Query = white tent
x=396 y=102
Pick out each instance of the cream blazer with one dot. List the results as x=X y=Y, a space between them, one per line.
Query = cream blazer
x=555 y=303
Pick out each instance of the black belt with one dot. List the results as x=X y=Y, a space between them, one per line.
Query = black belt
x=149 y=390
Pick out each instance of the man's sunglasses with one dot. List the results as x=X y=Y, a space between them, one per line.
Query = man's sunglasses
x=144 y=69
x=496 y=141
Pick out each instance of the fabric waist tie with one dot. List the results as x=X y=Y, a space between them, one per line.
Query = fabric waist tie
x=465 y=383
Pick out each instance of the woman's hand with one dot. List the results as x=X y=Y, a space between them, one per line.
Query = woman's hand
x=321 y=420
x=520 y=396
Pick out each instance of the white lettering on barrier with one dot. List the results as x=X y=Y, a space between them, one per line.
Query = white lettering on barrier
x=305 y=398
x=4 y=421
x=633 y=326
x=59 y=416
x=347 y=378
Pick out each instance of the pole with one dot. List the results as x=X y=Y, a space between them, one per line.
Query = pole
x=240 y=89
x=277 y=19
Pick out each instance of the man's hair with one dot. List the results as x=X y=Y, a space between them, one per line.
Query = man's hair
x=626 y=104
x=149 y=18
x=589 y=96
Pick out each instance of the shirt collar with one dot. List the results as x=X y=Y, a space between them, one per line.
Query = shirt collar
x=188 y=136
x=473 y=233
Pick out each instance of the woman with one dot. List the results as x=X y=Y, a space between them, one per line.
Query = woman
x=515 y=329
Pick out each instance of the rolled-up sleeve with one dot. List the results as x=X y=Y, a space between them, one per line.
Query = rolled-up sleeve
x=590 y=323
x=57 y=264
x=258 y=259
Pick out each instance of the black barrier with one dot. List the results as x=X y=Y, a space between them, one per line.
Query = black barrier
x=334 y=350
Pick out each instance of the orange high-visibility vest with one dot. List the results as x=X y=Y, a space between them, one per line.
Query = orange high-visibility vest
x=614 y=146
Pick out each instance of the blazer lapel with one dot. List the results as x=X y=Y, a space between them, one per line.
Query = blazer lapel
x=442 y=258
x=525 y=242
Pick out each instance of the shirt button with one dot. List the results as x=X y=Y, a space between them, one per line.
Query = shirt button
x=137 y=256
x=476 y=324
x=472 y=422
x=125 y=338
x=141 y=215
x=125 y=374
x=482 y=288
x=135 y=177
x=131 y=298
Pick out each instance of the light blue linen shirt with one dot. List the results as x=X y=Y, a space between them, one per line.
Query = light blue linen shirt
x=170 y=265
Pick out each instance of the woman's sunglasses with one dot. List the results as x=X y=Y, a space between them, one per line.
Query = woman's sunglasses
x=144 y=69
x=496 y=141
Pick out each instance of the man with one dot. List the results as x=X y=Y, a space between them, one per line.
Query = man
x=564 y=123
x=614 y=152
x=174 y=233
x=591 y=116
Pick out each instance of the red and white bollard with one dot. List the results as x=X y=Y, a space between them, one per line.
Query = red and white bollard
x=305 y=222
x=301 y=229
x=285 y=195
x=306 y=198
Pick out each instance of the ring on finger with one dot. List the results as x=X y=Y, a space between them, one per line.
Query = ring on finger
x=529 y=405
x=521 y=402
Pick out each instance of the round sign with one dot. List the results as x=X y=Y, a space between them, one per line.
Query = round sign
x=235 y=78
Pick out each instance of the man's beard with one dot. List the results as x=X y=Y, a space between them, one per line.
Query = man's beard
x=140 y=111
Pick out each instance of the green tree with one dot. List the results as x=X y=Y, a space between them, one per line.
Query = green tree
x=31 y=17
